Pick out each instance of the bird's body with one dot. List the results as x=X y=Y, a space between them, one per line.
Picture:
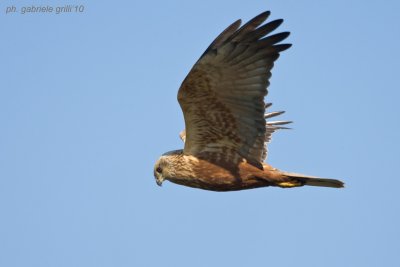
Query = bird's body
x=202 y=173
x=222 y=100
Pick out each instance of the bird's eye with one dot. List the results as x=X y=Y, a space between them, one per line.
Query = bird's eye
x=159 y=170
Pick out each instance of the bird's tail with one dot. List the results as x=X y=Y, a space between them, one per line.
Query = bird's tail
x=314 y=181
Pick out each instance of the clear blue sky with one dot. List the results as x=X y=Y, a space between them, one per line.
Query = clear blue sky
x=88 y=103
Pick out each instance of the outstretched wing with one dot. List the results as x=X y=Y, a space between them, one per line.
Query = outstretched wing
x=222 y=98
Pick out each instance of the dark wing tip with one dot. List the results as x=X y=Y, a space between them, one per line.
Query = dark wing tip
x=260 y=18
x=277 y=21
x=257 y=20
x=265 y=13
x=276 y=38
x=282 y=47
x=224 y=35
x=273 y=25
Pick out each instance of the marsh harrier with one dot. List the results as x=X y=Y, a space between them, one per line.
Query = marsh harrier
x=227 y=127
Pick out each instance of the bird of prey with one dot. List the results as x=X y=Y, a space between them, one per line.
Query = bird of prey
x=227 y=127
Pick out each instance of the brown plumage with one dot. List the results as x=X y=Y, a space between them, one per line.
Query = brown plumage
x=222 y=100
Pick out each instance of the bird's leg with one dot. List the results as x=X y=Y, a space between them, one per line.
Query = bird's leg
x=290 y=184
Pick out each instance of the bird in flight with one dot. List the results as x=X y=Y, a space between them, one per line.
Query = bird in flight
x=227 y=126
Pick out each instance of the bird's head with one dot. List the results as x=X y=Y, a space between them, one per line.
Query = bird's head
x=165 y=167
x=159 y=169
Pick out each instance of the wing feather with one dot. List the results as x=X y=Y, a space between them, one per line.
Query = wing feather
x=222 y=98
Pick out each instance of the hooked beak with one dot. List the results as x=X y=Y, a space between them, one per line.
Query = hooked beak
x=159 y=181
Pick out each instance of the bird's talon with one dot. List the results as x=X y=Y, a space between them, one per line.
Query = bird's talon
x=290 y=184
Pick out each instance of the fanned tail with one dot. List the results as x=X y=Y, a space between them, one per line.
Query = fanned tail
x=314 y=181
